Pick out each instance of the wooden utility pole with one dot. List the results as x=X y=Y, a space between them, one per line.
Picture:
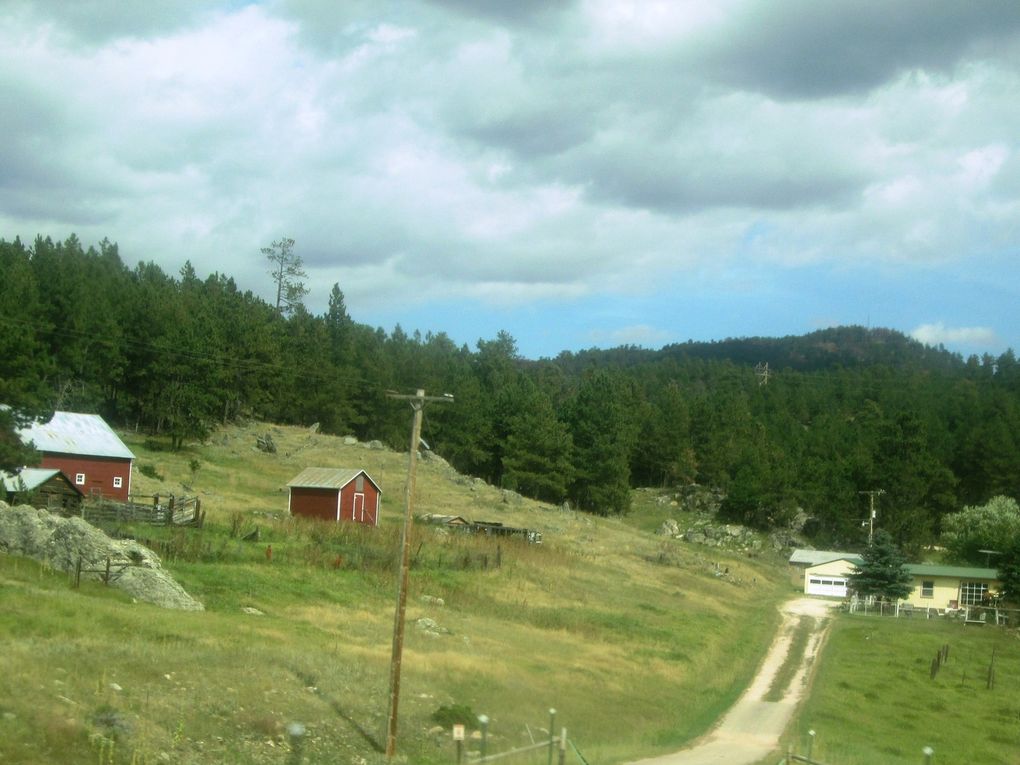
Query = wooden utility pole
x=872 y=493
x=418 y=401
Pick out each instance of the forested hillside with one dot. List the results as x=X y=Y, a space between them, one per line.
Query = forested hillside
x=836 y=413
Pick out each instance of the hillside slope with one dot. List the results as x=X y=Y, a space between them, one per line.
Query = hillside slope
x=638 y=641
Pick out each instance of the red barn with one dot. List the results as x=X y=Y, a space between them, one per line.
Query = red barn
x=85 y=449
x=335 y=494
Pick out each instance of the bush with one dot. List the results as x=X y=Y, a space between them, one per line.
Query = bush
x=149 y=471
x=456 y=714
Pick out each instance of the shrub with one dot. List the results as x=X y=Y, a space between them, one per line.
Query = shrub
x=456 y=714
x=149 y=471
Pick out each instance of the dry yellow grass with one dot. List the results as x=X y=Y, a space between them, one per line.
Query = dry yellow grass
x=631 y=637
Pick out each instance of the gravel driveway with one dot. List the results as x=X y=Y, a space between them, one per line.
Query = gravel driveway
x=752 y=727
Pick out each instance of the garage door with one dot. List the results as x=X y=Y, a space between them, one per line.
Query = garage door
x=830 y=586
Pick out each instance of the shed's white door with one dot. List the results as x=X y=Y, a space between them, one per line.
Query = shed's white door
x=359 y=508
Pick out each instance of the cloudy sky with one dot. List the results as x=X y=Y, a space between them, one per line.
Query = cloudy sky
x=588 y=173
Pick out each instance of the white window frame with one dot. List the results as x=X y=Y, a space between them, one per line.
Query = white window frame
x=118 y=482
x=927 y=588
x=79 y=479
x=970 y=589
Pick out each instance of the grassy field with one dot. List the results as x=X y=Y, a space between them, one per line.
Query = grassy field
x=873 y=699
x=629 y=636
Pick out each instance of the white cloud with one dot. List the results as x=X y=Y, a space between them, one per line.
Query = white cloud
x=939 y=334
x=432 y=149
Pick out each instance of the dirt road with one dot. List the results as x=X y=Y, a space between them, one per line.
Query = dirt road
x=751 y=729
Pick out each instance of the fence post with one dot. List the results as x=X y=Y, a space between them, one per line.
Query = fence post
x=563 y=746
x=483 y=720
x=552 y=736
x=928 y=752
x=810 y=742
x=170 y=511
x=296 y=731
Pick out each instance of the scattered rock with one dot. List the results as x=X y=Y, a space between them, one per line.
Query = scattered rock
x=266 y=444
x=252 y=611
x=350 y=440
x=432 y=600
x=669 y=528
x=374 y=445
x=430 y=627
x=314 y=428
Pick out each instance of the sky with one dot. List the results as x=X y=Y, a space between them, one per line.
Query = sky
x=579 y=174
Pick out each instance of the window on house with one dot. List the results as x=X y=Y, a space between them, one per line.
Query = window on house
x=118 y=482
x=927 y=589
x=972 y=593
x=359 y=483
x=79 y=479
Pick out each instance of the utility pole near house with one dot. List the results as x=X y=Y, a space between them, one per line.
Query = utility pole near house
x=872 y=493
x=417 y=401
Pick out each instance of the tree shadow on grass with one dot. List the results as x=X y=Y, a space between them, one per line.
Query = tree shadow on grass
x=342 y=713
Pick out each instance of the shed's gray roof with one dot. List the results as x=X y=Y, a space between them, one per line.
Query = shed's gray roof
x=814 y=557
x=327 y=478
x=29 y=479
x=73 y=433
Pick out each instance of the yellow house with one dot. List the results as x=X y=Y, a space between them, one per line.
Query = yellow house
x=945 y=587
x=827 y=573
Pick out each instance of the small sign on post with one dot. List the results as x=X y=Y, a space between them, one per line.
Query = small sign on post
x=458 y=736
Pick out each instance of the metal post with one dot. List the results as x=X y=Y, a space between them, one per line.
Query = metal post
x=552 y=736
x=810 y=742
x=296 y=731
x=928 y=752
x=483 y=720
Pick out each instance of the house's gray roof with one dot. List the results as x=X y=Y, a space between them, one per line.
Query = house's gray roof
x=814 y=557
x=29 y=479
x=73 y=433
x=327 y=478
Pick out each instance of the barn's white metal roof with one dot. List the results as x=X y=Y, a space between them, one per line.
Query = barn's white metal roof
x=73 y=433
x=327 y=478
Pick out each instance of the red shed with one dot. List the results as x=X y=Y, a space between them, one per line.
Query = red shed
x=335 y=494
x=85 y=449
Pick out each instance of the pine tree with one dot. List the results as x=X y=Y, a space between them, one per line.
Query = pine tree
x=882 y=571
x=288 y=275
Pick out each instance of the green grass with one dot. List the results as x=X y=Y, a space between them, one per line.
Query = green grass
x=627 y=635
x=798 y=642
x=873 y=699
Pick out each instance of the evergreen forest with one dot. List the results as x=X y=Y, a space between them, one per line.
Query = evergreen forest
x=777 y=425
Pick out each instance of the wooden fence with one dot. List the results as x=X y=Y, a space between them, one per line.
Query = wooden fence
x=156 y=511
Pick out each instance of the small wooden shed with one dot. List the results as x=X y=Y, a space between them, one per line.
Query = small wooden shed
x=335 y=494
x=47 y=488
